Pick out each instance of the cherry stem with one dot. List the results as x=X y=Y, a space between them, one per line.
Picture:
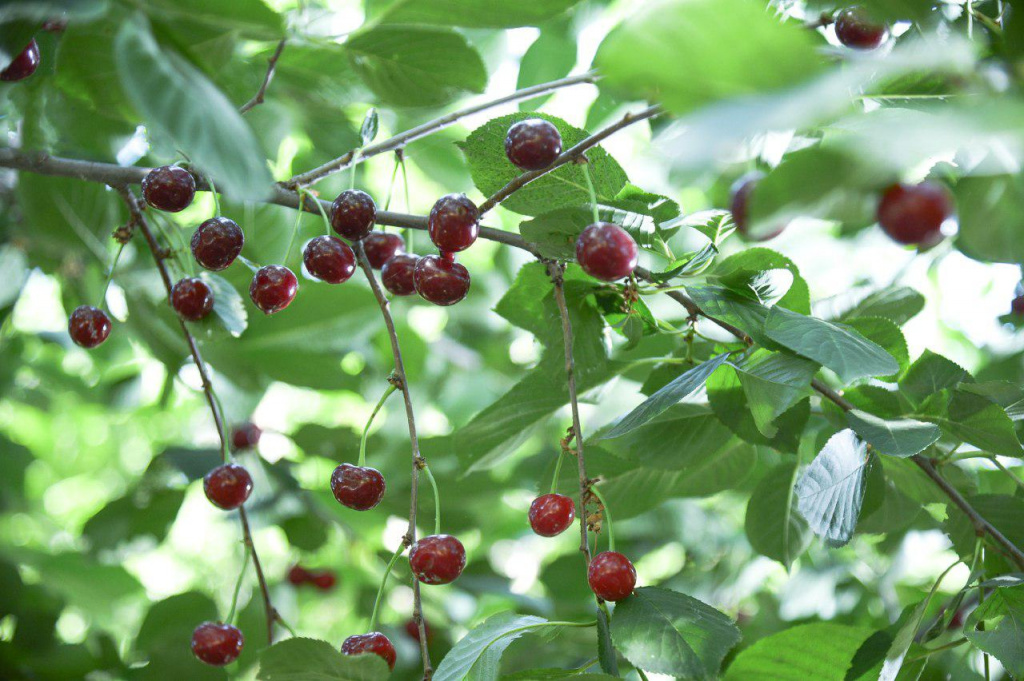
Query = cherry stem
x=391 y=185
x=224 y=450
x=320 y=207
x=593 y=192
x=216 y=197
x=369 y=421
x=110 y=276
x=409 y=232
x=383 y=583
x=437 y=498
x=558 y=469
x=352 y=171
x=249 y=263
x=295 y=232
x=607 y=517
x=238 y=586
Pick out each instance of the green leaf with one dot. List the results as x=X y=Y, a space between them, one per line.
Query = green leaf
x=899 y=305
x=773 y=382
x=741 y=268
x=606 y=656
x=1002 y=511
x=729 y=401
x=830 y=491
x=740 y=311
x=371 y=124
x=14 y=265
x=140 y=513
x=307 y=659
x=667 y=632
x=479 y=651
x=884 y=10
x=898 y=437
x=555 y=233
x=683 y=436
x=973 y=419
x=476 y=13
x=550 y=57
x=930 y=374
x=886 y=335
x=160 y=637
x=821 y=651
x=773 y=526
x=250 y=19
x=902 y=641
x=228 y=305
x=1003 y=635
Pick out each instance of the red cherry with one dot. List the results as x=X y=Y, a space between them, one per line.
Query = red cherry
x=24 y=65
x=358 y=487
x=1017 y=306
x=192 y=299
x=273 y=288
x=169 y=188
x=353 y=214
x=740 y=207
x=453 y=223
x=913 y=214
x=217 y=242
x=551 y=514
x=854 y=28
x=437 y=559
x=88 y=326
x=324 y=581
x=397 y=274
x=381 y=247
x=606 y=251
x=299 y=575
x=329 y=259
x=533 y=144
x=374 y=642
x=228 y=486
x=414 y=631
x=246 y=436
x=217 y=644
x=440 y=281
x=611 y=576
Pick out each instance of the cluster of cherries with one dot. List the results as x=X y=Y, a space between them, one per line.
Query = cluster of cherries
x=324 y=580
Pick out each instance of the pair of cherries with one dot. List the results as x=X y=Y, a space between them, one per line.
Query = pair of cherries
x=324 y=580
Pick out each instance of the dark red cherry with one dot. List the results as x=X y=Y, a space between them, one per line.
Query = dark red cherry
x=245 y=436
x=1017 y=306
x=353 y=214
x=397 y=274
x=228 y=486
x=381 y=247
x=88 y=326
x=414 y=631
x=358 y=487
x=453 y=223
x=437 y=559
x=855 y=28
x=217 y=644
x=217 y=242
x=533 y=144
x=740 y=208
x=606 y=251
x=440 y=281
x=169 y=188
x=324 y=581
x=273 y=288
x=913 y=214
x=329 y=259
x=24 y=65
x=299 y=575
x=551 y=514
x=374 y=642
x=192 y=299
x=611 y=576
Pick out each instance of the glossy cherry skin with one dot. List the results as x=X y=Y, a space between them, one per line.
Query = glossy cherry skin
x=353 y=214
x=169 y=188
x=414 y=631
x=192 y=299
x=606 y=251
x=358 y=487
x=398 y=274
x=273 y=288
x=381 y=247
x=854 y=28
x=88 y=326
x=374 y=642
x=453 y=223
x=217 y=242
x=440 y=281
x=217 y=644
x=1017 y=306
x=533 y=144
x=611 y=576
x=324 y=581
x=551 y=514
x=228 y=486
x=437 y=559
x=740 y=207
x=245 y=436
x=24 y=65
x=329 y=259
x=298 y=575
x=913 y=214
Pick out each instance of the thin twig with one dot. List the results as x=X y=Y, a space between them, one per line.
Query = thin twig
x=271 y=68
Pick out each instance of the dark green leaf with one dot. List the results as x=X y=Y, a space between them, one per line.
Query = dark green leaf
x=931 y=373
x=973 y=419
x=821 y=651
x=476 y=13
x=1003 y=635
x=773 y=382
x=899 y=305
x=479 y=651
x=898 y=437
x=550 y=57
x=307 y=659
x=773 y=526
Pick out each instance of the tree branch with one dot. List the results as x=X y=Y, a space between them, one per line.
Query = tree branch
x=271 y=68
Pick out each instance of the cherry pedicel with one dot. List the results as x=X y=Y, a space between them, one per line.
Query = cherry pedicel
x=228 y=486
x=374 y=642
x=273 y=288
x=397 y=274
x=24 y=65
x=353 y=213
x=169 y=188
x=440 y=281
x=453 y=223
x=329 y=259
x=381 y=247
x=611 y=576
x=88 y=326
x=533 y=144
x=245 y=436
x=606 y=251
x=217 y=644
x=551 y=514
x=192 y=299
x=217 y=242
x=358 y=487
x=437 y=559
x=740 y=207
x=913 y=214
x=854 y=28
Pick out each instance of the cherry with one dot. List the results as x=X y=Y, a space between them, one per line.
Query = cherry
x=169 y=188
x=551 y=514
x=533 y=144
x=353 y=214
x=329 y=259
x=192 y=299
x=854 y=28
x=437 y=559
x=24 y=65
x=358 y=487
x=217 y=644
x=414 y=631
x=324 y=581
x=440 y=281
x=381 y=247
x=397 y=274
x=913 y=214
x=740 y=207
x=273 y=288
x=606 y=251
x=246 y=436
x=88 y=326
x=453 y=223
x=299 y=575
x=611 y=576
x=217 y=242
x=374 y=642
x=1017 y=306
x=228 y=486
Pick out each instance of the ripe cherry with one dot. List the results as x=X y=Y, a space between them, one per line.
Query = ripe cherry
x=88 y=326
x=217 y=242
x=453 y=223
x=245 y=436
x=324 y=581
x=273 y=288
x=24 y=65
x=533 y=144
x=217 y=644
x=437 y=559
x=551 y=514
x=381 y=247
x=440 y=281
x=374 y=642
x=611 y=576
x=414 y=631
x=329 y=259
x=169 y=188
x=740 y=207
x=1017 y=306
x=913 y=214
x=298 y=575
x=397 y=274
x=606 y=251
x=854 y=28
x=353 y=214
x=358 y=487
x=192 y=299
x=228 y=486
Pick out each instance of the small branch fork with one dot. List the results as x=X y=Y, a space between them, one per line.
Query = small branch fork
x=271 y=68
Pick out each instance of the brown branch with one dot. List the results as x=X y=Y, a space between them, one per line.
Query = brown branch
x=271 y=68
